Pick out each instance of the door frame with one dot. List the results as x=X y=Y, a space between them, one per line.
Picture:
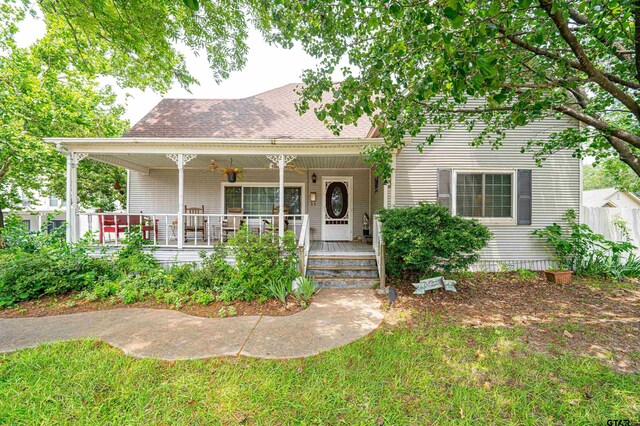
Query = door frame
x=324 y=204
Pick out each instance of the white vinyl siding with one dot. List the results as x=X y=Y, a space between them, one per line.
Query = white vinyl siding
x=157 y=192
x=555 y=186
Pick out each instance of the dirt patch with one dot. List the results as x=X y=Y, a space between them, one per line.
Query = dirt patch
x=588 y=316
x=71 y=304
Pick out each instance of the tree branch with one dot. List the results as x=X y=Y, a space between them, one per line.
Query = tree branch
x=625 y=153
x=600 y=125
x=595 y=74
x=636 y=19
x=556 y=57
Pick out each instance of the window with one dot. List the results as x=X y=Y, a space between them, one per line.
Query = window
x=260 y=200
x=26 y=224
x=53 y=201
x=484 y=195
x=55 y=224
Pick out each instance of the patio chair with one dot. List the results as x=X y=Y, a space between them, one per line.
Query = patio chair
x=146 y=225
x=112 y=224
x=120 y=223
x=275 y=224
x=194 y=223
x=233 y=221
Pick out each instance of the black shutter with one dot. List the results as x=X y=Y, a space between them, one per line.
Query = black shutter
x=524 y=197
x=444 y=187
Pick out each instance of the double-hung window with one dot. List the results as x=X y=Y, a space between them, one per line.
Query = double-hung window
x=484 y=195
x=260 y=200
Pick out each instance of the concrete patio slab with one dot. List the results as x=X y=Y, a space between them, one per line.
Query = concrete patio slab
x=335 y=318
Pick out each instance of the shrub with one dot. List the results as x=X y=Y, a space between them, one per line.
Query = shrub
x=426 y=237
x=259 y=259
x=36 y=264
x=43 y=264
x=576 y=247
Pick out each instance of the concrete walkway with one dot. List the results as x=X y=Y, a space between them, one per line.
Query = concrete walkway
x=335 y=318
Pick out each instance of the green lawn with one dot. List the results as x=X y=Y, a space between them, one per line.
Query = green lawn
x=431 y=372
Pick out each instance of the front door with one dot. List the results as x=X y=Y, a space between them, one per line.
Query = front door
x=337 y=208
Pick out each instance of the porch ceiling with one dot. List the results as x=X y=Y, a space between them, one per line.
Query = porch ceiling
x=145 y=162
x=143 y=154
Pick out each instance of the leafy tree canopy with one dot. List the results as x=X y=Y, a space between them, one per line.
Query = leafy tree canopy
x=411 y=62
x=42 y=94
x=610 y=174
x=415 y=62
x=138 y=41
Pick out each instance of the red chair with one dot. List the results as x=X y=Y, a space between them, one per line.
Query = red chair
x=110 y=223
x=118 y=224
x=145 y=224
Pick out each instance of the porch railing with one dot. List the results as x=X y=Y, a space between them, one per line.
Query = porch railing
x=200 y=230
x=378 y=248
x=304 y=245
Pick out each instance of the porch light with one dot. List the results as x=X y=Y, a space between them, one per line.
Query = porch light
x=314 y=178
x=313 y=198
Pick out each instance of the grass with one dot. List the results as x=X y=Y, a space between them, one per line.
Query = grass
x=432 y=372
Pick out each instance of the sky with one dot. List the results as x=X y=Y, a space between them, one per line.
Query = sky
x=267 y=67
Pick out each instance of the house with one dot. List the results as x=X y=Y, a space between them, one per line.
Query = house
x=35 y=214
x=176 y=153
x=609 y=197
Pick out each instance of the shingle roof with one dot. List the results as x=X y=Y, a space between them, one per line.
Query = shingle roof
x=269 y=115
x=597 y=197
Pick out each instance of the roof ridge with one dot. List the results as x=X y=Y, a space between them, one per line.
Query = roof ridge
x=230 y=99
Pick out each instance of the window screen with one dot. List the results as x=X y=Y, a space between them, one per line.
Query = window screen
x=260 y=200
x=484 y=195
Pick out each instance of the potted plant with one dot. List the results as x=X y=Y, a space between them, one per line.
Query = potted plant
x=233 y=173
x=558 y=276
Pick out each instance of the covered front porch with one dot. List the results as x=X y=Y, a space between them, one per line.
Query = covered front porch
x=179 y=197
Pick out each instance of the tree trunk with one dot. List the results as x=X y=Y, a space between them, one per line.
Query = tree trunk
x=1 y=227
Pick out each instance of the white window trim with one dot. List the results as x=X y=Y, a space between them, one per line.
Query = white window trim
x=301 y=185
x=488 y=220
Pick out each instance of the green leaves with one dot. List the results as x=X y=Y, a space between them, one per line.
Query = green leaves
x=192 y=4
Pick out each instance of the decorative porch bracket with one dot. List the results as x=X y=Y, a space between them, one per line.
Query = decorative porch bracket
x=281 y=162
x=180 y=160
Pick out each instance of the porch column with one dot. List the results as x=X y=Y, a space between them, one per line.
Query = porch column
x=77 y=158
x=68 y=197
x=180 y=236
x=180 y=160
x=281 y=161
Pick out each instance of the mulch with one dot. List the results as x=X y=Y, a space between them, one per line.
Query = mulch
x=598 y=318
x=71 y=304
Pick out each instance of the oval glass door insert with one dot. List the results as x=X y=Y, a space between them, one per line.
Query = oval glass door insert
x=337 y=201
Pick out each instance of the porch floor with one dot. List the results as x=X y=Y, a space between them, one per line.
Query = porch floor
x=339 y=247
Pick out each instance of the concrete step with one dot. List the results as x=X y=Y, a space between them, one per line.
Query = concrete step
x=342 y=271
x=342 y=261
x=347 y=282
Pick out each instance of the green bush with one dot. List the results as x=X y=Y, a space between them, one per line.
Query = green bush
x=576 y=247
x=259 y=259
x=426 y=238
x=37 y=264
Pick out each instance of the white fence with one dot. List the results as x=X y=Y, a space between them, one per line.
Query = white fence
x=602 y=221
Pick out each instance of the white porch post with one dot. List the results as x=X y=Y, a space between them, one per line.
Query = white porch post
x=75 y=220
x=281 y=161
x=281 y=199
x=180 y=235
x=68 y=197
x=181 y=160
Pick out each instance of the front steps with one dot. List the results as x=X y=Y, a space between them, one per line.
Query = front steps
x=343 y=270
